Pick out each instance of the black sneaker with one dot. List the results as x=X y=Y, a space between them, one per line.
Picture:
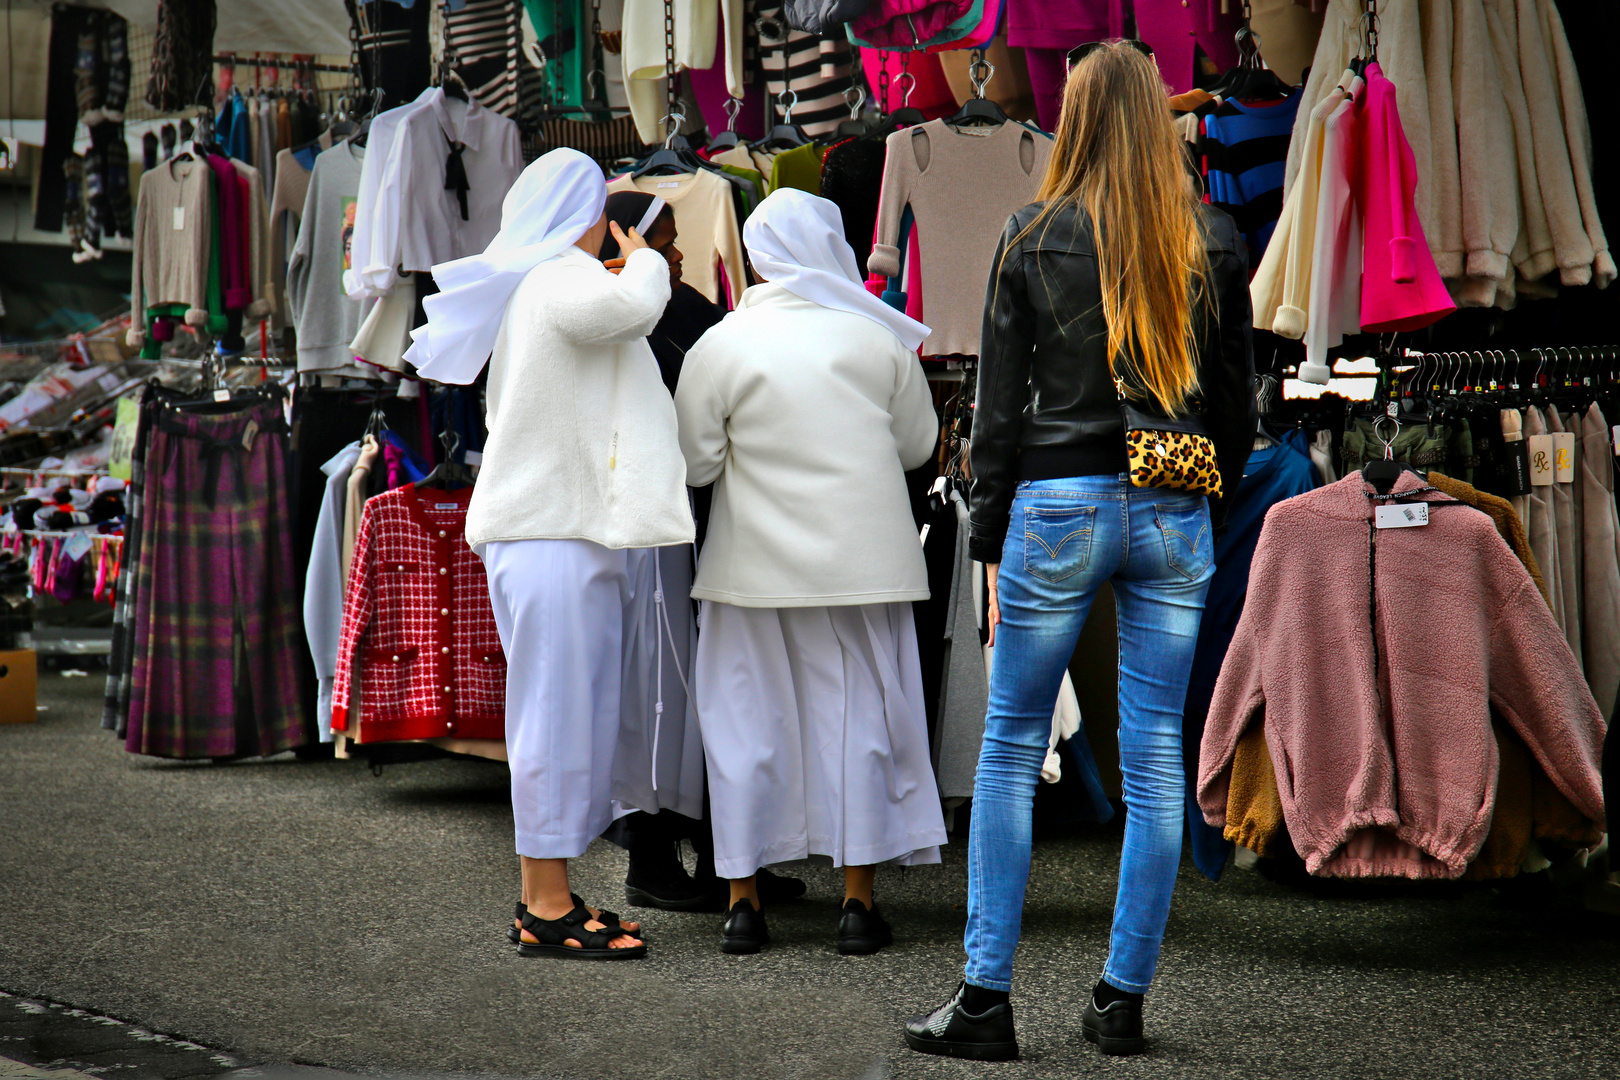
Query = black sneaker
x=861 y=930
x=744 y=931
x=1115 y=1028
x=951 y=1032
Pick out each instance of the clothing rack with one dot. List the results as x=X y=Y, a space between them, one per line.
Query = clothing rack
x=284 y=65
x=1475 y=370
x=16 y=470
x=58 y=534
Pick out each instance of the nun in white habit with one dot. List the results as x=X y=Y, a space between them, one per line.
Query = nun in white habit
x=804 y=408
x=582 y=483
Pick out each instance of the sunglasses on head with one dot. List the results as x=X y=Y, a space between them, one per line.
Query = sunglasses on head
x=1080 y=52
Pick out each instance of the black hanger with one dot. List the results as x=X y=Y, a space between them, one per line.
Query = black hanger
x=728 y=138
x=787 y=134
x=979 y=109
x=1250 y=79
x=675 y=155
x=449 y=472
x=856 y=125
x=377 y=422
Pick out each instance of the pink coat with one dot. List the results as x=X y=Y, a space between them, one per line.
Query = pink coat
x=1401 y=288
x=1397 y=780
x=1172 y=27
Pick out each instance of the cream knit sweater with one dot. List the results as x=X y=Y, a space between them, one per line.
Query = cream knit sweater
x=582 y=438
x=805 y=419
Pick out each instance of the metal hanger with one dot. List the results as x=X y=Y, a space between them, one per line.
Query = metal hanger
x=978 y=109
x=787 y=134
x=728 y=138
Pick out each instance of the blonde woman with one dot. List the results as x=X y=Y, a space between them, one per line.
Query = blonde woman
x=1117 y=271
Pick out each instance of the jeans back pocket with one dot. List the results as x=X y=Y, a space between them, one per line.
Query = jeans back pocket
x=1188 y=546
x=1057 y=540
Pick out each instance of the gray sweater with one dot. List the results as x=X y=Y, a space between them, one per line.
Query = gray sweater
x=325 y=317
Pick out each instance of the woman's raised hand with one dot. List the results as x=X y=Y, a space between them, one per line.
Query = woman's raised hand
x=628 y=241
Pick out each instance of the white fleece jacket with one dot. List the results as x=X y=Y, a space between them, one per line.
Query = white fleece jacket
x=1577 y=141
x=1280 y=291
x=805 y=419
x=582 y=441
x=1491 y=215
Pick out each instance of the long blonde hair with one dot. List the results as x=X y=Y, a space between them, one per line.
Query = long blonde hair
x=1117 y=158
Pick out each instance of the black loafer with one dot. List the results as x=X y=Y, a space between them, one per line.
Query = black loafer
x=670 y=891
x=744 y=931
x=1116 y=1028
x=861 y=930
x=776 y=888
x=950 y=1032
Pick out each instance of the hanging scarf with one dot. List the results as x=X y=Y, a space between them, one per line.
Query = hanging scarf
x=455 y=174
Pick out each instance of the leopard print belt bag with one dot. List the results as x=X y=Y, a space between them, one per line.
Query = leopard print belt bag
x=1168 y=453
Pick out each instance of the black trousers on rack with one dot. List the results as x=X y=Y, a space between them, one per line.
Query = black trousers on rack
x=324 y=422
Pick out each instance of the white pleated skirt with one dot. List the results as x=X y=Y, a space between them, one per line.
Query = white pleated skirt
x=815 y=736
x=590 y=657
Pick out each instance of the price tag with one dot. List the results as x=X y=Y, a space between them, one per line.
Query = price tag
x=1516 y=471
x=1401 y=517
x=250 y=433
x=1541 y=460
x=1564 y=456
x=179 y=219
x=222 y=395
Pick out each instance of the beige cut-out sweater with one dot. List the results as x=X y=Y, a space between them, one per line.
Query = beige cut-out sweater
x=962 y=185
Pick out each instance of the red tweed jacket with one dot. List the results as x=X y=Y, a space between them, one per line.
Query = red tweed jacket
x=419 y=642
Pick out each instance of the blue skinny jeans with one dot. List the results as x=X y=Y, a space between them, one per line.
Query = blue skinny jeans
x=1067 y=537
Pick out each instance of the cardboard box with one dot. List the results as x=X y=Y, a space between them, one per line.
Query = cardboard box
x=19 y=686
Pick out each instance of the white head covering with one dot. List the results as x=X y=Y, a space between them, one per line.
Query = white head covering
x=554 y=202
x=796 y=240
x=654 y=208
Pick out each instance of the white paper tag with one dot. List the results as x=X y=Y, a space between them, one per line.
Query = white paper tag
x=670 y=183
x=474 y=458
x=1401 y=517
x=447 y=506
x=1564 y=456
x=77 y=546
x=1614 y=438
x=1541 y=460
x=179 y=219
x=222 y=395
x=250 y=433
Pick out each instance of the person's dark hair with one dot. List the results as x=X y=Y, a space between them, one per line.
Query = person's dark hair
x=627 y=208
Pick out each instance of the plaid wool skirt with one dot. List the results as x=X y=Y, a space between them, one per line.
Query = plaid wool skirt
x=215 y=622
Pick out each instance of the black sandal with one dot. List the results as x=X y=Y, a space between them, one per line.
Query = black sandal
x=515 y=936
x=553 y=936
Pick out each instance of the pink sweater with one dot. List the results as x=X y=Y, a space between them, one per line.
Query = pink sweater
x=1401 y=288
x=1394 y=775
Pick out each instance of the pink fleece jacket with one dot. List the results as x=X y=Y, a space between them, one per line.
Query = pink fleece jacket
x=1401 y=288
x=1394 y=774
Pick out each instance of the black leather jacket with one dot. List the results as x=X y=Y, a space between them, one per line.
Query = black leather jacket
x=1046 y=404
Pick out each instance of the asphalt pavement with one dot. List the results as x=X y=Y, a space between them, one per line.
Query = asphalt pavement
x=281 y=912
